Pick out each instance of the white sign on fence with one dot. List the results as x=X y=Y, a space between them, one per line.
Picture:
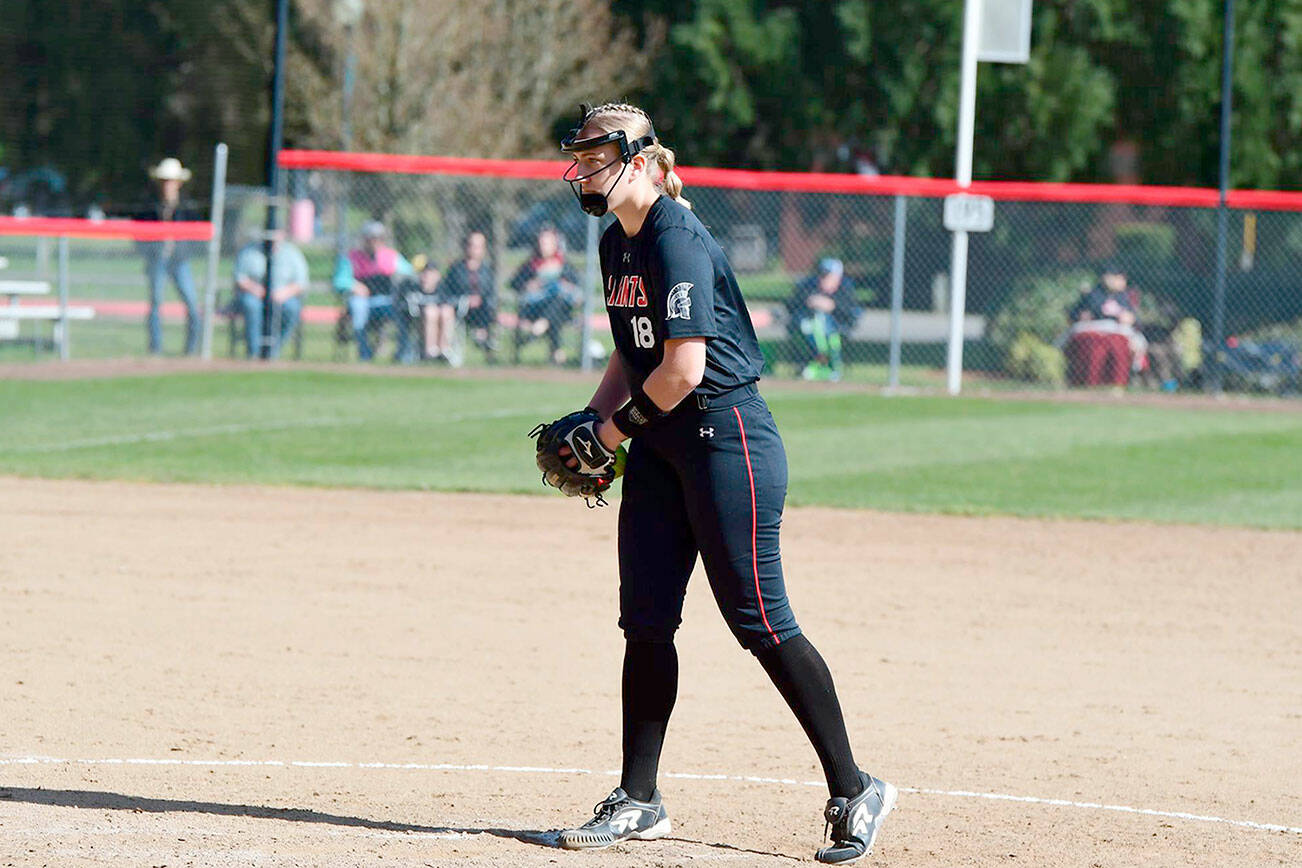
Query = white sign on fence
x=1005 y=31
x=965 y=212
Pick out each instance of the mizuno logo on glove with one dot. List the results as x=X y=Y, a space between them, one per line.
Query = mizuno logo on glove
x=593 y=455
x=587 y=467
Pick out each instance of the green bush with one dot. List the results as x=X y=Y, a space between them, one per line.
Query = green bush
x=1032 y=359
x=1188 y=338
x=1279 y=331
x=1033 y=316
x=1038 y=306
x=1145 y=244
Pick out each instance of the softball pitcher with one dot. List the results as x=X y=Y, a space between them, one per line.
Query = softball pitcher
x=705 y=474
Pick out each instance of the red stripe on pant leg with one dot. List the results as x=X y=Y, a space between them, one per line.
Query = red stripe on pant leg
x=754 y=524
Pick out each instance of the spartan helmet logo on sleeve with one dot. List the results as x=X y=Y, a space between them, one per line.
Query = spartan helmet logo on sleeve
x=680 y=302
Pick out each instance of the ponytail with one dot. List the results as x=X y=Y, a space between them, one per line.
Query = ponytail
x=669 y=180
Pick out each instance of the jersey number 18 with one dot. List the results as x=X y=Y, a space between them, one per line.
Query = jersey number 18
x=643 y=336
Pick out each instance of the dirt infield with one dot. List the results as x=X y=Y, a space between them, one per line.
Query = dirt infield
x=223 y=676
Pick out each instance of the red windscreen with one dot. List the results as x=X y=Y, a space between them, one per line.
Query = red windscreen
x=138 y=230
x=809 y=182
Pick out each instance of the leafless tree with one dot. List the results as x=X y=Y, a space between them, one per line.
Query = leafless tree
x=468 y=79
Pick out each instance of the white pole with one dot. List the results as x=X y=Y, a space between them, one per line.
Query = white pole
x=897 y=292
x=214 y=245
x=65 y=352
x=963 y=176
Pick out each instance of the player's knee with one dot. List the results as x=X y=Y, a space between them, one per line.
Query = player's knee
x=660 y=633
x=759 y=641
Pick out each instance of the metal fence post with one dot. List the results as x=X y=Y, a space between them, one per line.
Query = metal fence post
x=42 y=257
x=214 y=245
x=275 y=135
x=897 y=290
x=1222 y=211
x=591 y=279
x=64 y=351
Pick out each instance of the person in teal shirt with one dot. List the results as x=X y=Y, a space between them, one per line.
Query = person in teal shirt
x=289 y=280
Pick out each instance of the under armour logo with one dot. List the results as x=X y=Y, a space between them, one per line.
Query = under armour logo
x=707 y=432
x=628 y=257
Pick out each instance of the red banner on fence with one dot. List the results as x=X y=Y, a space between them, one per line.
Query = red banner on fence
x=810 y=182
x=138 y=230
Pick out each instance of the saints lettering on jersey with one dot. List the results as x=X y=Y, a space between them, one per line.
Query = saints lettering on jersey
x=628 y=292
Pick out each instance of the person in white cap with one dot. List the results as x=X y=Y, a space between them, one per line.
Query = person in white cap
x=170 y=258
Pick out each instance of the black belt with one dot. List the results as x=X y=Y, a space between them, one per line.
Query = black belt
x=730 y=398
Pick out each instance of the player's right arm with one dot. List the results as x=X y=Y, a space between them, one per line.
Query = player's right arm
x=612 y=391
x=611 y=394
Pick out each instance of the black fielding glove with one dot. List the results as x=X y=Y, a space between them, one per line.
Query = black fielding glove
x=596 y=466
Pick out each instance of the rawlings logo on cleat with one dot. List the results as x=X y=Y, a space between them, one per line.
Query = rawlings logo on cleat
x=625 y=821
x=859 y=823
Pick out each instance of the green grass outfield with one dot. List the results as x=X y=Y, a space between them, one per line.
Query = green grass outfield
x=849 y=449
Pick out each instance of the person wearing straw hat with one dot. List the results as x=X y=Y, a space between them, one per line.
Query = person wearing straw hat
x=170 y=258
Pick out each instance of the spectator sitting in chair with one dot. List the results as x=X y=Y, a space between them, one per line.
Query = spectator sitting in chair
x=468 y=289
x=823 y=307
x=1165 y=367
x=548 y=288
x=367 y=278
x=1099 y=343
x=428 y=278
x=289 y=280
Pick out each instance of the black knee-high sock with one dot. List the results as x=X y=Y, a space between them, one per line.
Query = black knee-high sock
x=803 y=679
x=650 y=688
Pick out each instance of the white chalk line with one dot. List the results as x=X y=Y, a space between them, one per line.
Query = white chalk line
x=248 y=428
x=478 y=767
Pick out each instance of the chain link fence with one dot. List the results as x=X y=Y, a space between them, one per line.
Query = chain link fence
x=845 y=277
x=85 y=288
x=853 y=284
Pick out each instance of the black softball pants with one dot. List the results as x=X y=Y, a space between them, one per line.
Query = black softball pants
x=711 y=482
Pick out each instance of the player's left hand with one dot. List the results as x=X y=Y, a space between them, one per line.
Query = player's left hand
x=572 y=457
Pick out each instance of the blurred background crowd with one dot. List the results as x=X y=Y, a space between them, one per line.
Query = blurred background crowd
x=105 y=99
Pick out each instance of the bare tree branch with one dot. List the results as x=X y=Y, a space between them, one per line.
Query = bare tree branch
x=447 y=77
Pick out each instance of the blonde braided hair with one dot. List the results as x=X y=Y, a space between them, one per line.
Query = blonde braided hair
x=636 y=123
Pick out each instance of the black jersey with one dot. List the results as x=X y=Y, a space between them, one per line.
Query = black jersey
x=671 y=280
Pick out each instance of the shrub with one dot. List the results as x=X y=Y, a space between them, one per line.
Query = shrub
x=1279 y=331
x=1030 y=358
x=1188 y=339
x=1031 y=319
x=1145 y=244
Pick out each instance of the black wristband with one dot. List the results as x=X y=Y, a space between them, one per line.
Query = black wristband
x=638 y=415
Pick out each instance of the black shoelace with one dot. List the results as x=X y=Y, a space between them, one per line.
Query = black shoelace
x=605 y=810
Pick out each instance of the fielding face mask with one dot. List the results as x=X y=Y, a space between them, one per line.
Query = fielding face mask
x=598 y=204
